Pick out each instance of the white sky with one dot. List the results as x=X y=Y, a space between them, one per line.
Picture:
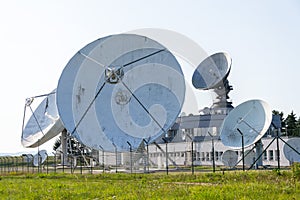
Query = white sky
x=38 y=38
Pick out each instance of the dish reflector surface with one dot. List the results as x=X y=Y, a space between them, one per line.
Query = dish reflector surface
x=289 y=153
x=118 y=89
x=43 y=124
x=249 y=157
x=212 y=71
x=43 y=157
x=252 y=118
x=229 y=158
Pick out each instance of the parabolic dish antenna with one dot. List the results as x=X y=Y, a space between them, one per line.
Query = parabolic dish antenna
x=229 y=158
x=39 y=159
x=28 y=157
x=43 y=124
x=290 y=153
x=212 y=71
x=252 y=118
x=119 y=90
x=249 y=157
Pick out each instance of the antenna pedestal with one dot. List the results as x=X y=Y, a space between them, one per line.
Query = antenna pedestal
x=221 y=104
x=64 y=147
x=259 y=149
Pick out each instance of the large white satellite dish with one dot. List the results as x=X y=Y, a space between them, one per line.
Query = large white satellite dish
x=118 y=90
x=40 y=158
x=212 y=71
x=229 y=158
x=290 y=153
x=43 y=124
x=252 y=118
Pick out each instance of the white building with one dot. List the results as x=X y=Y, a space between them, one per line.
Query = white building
x=179 y=150
x=181 y=153
x=203 y=133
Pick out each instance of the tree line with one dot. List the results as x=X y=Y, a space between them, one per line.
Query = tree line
x=290 y=125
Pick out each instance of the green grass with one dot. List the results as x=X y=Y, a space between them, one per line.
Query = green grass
x=176 y=185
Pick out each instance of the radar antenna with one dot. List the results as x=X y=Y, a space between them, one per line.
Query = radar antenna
x=212 y=74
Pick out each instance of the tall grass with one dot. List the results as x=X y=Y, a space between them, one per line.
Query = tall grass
x=230 y=185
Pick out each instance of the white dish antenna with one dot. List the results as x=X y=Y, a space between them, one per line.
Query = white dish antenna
x=290 y=153
x=251 y=118
x=229 y=158
x=119 y=90
x=43 y=124
x=40 y=158
x=212 y=71
x=249 y=157
x=28 y=157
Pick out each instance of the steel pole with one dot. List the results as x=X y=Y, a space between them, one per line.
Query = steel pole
x=192 y=157
x=130 y=150
x=213 y=154
x=242 y=148
x=167 y=167
x=278 y=152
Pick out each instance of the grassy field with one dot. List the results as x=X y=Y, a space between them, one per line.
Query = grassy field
x=176 y=185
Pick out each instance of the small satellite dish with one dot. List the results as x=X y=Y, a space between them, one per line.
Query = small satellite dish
x=252 y=118
x=290 y=153
x=43 y=124
x=39 y=158
x=229 y=158
x=249 y=157
x=28 y=157
x=119 y=90
x=212 y=71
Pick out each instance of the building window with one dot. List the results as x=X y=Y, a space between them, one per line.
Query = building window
x=265 y=155
x=240 y=153
x=202 y=156
x=211 y=155
x=271 y=156
x=220 y=154
x=190 y=131
x=217 y=155
x=207 y=156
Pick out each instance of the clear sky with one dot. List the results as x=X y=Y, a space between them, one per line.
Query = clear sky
x=38 y=38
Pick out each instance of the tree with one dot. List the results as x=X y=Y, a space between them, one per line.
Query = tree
x=56 y=144
x=298 y=126
x=291 y=125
